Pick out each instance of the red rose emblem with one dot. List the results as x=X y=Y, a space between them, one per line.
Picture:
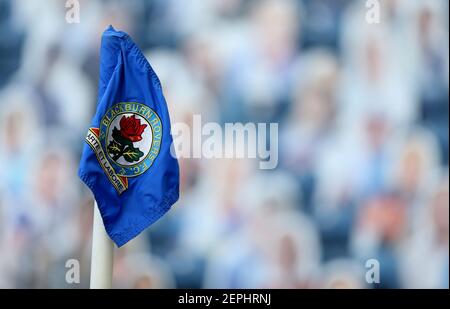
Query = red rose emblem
x=131 y=128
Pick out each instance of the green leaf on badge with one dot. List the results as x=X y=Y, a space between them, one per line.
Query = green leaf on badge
x=120 y=139
x=114 y=148
x=131 y=154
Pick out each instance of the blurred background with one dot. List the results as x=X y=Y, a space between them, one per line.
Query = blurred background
x=363 y=118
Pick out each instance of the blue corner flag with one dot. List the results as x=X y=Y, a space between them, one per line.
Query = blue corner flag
x=126 y=161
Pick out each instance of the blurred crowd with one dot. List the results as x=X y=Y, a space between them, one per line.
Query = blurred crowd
x=363 y=117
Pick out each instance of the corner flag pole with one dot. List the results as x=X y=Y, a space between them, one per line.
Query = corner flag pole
x=102 y=254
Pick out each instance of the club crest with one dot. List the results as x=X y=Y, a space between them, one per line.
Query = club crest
x=127 y=141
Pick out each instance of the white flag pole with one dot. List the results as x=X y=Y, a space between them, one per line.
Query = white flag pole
x=102 y=254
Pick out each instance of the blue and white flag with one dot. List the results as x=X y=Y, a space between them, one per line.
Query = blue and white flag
x=126 y=161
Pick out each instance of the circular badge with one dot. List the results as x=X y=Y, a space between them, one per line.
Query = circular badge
x=131 y=134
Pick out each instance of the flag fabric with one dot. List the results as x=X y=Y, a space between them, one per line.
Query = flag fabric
x=126 y=161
